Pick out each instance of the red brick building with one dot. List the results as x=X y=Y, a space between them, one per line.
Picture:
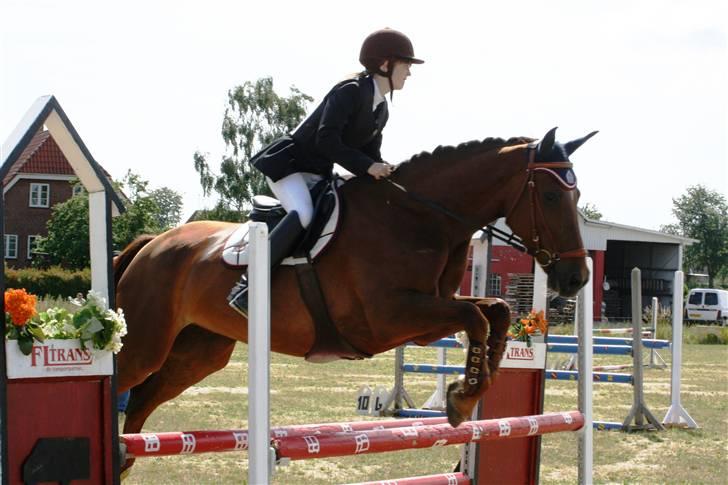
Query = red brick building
x=39 y=179
x=44 y=162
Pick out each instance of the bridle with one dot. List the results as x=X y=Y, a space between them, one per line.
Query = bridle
x=543 y=256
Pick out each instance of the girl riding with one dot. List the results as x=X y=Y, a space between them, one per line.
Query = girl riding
x=346 y=128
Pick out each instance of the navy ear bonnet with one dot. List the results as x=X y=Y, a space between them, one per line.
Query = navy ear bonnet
x=565 y=176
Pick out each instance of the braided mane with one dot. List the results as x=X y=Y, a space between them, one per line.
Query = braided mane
x=447 y=153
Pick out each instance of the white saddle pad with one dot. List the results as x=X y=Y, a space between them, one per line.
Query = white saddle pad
x=235 y=251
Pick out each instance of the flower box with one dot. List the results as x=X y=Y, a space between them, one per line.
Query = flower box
x=57 y=358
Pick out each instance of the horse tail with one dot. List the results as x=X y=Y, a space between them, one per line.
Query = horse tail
x=124 y=259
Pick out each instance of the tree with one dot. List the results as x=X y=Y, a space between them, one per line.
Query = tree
x=169 y=207
x=143 y=214
x=67 y=243
x=591 y=212
x=255 y=116
x=148 y=212
x=702 y=214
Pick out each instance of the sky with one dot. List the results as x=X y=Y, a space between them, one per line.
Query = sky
x=145 y=83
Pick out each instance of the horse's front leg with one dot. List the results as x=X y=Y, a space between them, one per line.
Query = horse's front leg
x=415 y=314
x=498 y=313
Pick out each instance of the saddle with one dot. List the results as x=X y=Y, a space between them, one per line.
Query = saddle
x=328 y=345
x=266 y=209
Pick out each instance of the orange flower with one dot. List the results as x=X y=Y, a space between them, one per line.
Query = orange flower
x=20 y=305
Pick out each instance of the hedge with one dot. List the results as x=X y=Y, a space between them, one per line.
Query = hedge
x=54 y=282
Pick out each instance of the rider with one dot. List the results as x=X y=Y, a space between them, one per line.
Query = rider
x=345 y=128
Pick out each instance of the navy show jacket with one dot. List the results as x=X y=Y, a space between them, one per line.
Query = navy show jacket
x=343 y=129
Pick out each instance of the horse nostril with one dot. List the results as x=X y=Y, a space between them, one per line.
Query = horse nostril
x=576 y=281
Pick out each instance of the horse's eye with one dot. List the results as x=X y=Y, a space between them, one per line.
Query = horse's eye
x=551 y=197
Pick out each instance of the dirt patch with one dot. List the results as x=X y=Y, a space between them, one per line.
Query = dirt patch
x=197 y=391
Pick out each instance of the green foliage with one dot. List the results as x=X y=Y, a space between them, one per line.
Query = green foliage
x=715 y=339
x=217 y=213
x=148 y=212
x=53 y=281
x=591 y=211
x=67 y=243
x=702 y=214
x=169 y=207
x=255 y=116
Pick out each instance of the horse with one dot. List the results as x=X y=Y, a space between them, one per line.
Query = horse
x=390 y=275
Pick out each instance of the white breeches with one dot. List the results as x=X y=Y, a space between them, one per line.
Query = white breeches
x=293 y=193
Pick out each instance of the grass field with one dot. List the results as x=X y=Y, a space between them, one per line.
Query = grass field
x=308 y=393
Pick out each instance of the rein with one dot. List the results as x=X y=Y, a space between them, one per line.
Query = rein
x=543 y=256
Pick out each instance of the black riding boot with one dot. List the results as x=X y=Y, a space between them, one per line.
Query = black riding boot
x=283 y=240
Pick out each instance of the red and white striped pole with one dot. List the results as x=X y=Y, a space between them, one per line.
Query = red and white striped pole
x=441 y=479
x=395 y=439
x=193 y=442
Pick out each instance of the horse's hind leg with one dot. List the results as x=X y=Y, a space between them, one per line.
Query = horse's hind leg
x=195 y=354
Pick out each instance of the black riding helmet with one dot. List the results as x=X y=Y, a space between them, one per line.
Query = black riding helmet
x=386 y=45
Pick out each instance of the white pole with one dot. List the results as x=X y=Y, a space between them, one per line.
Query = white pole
x=585 y=323
x=540 y=293
x=97 y=243
x=655 y=309
x=259 y=452
x=479 y=275
x=676 y=415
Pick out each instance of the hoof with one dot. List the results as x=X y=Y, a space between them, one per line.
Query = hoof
x=454 y=414
x=125 y=469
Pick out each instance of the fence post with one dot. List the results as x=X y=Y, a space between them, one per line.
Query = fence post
x=639 y=411
x=585 y=316
x=676 y=415
x=260 y=454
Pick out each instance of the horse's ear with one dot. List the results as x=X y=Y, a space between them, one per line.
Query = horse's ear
x=571 y=146
x=547 y=142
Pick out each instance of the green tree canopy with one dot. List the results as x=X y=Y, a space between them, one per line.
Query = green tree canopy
x=149 y=212
x=255 y=116
x=67 y=243
x=591 y=212
x=169 y=207
x=702 y=214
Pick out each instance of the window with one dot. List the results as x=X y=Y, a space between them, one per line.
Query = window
x=711 y=298
x=39 y=195
x=78 y=189
x=11 y=246
x=696 y=298
x=494 y=285
x=32 y=242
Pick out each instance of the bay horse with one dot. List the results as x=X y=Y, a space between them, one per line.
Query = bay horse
x=389 y=276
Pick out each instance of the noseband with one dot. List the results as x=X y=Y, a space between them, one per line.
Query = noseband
x=542 y=255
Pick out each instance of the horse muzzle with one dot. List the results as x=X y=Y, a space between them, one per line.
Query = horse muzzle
x=568 y=276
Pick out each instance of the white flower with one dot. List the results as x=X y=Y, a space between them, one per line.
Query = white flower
x=96 y=299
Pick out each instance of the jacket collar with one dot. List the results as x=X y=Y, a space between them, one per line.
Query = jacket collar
x=377 y=94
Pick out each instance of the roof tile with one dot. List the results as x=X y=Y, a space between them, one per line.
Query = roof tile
x=41 y=156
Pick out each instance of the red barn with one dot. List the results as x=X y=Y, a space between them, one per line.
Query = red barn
x=614 y=248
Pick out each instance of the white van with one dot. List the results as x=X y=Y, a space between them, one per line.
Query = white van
x=707 y=304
